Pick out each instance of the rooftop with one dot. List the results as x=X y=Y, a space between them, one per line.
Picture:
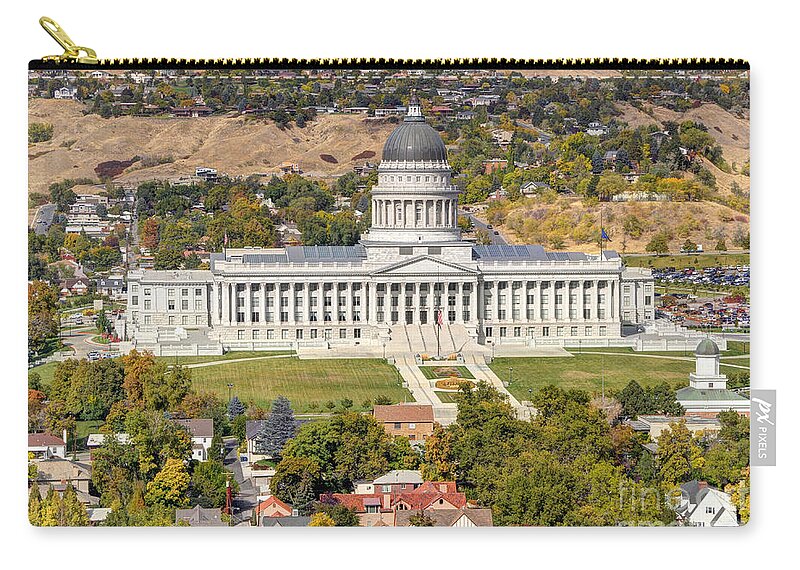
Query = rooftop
x=399 y=476
x=198 y=427
x=404 y=413
x=43 y=439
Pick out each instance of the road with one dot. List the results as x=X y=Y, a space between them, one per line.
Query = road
x=44 y=218
x=496 y=238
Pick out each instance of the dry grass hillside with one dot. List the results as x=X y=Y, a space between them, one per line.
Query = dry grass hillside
x=731 y=132
x=234 y=145
x=577 y=225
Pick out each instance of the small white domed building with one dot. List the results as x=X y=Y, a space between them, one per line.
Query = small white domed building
x=707 y=394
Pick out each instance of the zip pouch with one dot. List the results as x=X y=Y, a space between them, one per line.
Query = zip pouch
x=388 y=293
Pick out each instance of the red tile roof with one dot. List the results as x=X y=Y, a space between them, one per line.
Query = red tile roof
x=273 y=501
x=41 y=439
x=412 y=413
x=426 y=495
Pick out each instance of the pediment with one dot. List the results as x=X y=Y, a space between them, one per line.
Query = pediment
x=425 y=265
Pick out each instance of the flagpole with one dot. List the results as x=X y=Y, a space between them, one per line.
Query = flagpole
x=601 y=233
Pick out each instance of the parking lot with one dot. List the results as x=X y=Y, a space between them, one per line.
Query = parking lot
x=731 y=276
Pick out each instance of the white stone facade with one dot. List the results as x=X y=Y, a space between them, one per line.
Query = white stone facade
x=410 y=267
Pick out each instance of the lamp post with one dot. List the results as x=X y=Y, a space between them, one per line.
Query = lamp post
x=230 y=387
x=510 y=375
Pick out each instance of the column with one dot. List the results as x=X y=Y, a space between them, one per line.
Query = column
x=510 y=301
x=248 y=304
x=609 y=300
x=371 y=310
x=224 y=303
x=580 y=300
x=276 y=295
x=262 y=317
x=321 y=303
x=348 y=302
x=594 y=303
x=474 y=299
x=495 y=301
x=460 y=303
x=552 y=301
x=523 y=303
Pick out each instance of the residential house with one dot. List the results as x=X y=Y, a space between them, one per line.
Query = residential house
x=291 y=521
x=112 y=286
x=502 y=137
x=58 y=471
x=199 y=516
x=202 y=432
x=414 y=421
x=494 y=164
x=206 y=173
x=194 y=111
x=47 y=446
x=533 y=188
x=73 y=287
x=702 y=505
x=252 y=427
x=463 y=517
x=596 y=129
x=273 y=507
x=66 y=93
x=397 y=491
x=655 y=424
x=97 y=440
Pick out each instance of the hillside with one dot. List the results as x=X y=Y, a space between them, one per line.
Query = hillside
x=732 y=133
x=532 y=221
x=234 y=145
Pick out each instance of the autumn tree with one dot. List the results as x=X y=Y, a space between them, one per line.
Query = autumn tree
x=321 y=519
x=43 y=318
x=170 y=485
x=680 y=457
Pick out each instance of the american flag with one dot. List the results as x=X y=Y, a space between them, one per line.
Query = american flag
x=439 y=317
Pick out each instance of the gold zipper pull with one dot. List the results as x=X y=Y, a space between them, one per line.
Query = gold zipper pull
x=72 y=53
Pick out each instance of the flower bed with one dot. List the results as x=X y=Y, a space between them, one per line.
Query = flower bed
x=436 y=372
x=453 y=384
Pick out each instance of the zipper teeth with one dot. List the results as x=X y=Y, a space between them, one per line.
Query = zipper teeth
x=442 y=63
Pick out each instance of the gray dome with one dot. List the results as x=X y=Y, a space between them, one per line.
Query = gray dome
x=707 y=347
x=414 y=140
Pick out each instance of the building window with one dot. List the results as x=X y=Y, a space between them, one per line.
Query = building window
x=342 y=333
x=256 y=334
x=185 y=319
x=134 y=300
x=559 y=331
x=356 y=333
x=134 y=287
x=285 y=334
x=147 y=292
x=240 y=334
x=198 y=292
x=313 y=333
x=588 y=331
x=710 y=510
x=412 y=426
x=184 y=304
x=171 y=305
x=434 y=251
x=148 y=319
x=298 y=334
x=647 y=300
x=397 y=425
x=198 y=305
x=184 y=292
x=489 y=331
x=406 y=251
x=545 y=331
x=517 y=331
x=199 y=320
x=147 y=304
x=573 y=331
x=170 y=292
x=270 y=334
x=171 y=319
x=503 y=331
x=603 y=331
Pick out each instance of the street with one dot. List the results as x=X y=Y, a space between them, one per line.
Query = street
x=496 y=238
x=43 y=219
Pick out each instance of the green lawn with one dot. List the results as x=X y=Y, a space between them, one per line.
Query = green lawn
x=227 y=356
x=584 y=372
x=448 y=397
x=45 y=371
x=684 y=261
x=83 y=428
x=309 y=384
x=430 y=372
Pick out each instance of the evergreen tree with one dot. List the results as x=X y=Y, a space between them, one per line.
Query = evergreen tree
x=278 y=429
x=75 y=513
x=235 y=408
x=34 y=506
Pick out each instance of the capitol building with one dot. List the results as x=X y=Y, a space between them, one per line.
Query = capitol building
x=412 y=284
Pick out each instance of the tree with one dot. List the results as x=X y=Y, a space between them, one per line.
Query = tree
x=633 y=399
x=689 y=246
x=659 y=244
x=170 y=485
x=321 y=519
x=75 y=513
x=43 y=319
x=208 y=484
x=39 y=132
x=420 y=519
x=340 y=514
x=34 y=505
x=611 y=184
x=297 y=481
x=278 y=429
x=679 y=455
x=721 y=245
x=235 y=408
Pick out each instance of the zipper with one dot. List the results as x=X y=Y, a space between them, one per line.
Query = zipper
x=79 y=57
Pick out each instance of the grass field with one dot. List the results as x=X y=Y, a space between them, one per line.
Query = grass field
x=585 y=372
x=227 y=356
x=45 y=371
x=309 y=384
x=447 y=397
x=684 y=261
x=430 y=372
